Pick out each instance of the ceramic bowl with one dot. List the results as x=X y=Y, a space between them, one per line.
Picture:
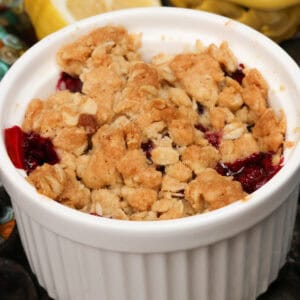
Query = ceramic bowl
x=231 y=253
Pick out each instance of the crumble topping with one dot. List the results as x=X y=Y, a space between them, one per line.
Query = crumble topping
x=145 y=141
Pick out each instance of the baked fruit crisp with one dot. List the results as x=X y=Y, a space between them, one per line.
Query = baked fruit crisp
x=126 y=139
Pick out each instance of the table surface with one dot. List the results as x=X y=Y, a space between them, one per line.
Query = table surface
x=18 y=282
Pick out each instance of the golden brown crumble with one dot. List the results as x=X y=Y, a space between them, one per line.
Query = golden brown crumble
x=134 y=143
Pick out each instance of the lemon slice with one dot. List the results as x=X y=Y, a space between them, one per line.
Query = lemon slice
x=48 y=16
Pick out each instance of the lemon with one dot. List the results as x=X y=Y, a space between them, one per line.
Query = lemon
x=48 y=16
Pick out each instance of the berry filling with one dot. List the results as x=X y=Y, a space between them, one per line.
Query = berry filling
x=238 y=75
x=200 y=108
x=200 y=127
x=252 y=172
x=147 y=147
x=214 y=138
x=29 y=150
x=95 y=214
x=67 y=82
x=14 y=141
x=161 y=169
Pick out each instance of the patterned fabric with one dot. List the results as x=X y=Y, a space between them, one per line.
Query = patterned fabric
x=13 y=24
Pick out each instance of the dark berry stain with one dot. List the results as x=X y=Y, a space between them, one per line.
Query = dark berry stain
x=200 y=108
x=67 y=82
x=249 y=127
x=252 y=172
x=147 y=147
x=200 y=127
x=214 y=138
x=238 y=75
x=160 y=169
x=95 y=214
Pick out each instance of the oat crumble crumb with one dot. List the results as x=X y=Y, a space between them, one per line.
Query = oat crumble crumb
x=134 y=143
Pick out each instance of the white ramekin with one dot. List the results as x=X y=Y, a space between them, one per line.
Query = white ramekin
x=232 y=253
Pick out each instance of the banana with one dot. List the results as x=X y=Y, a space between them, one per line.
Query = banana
x=185 y=3
x=285 y=27
x=226 y=9
x=277 y=19
x=251 y=18
x=266 y=4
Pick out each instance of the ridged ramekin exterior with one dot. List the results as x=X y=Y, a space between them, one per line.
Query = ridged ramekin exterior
x=239 y=268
